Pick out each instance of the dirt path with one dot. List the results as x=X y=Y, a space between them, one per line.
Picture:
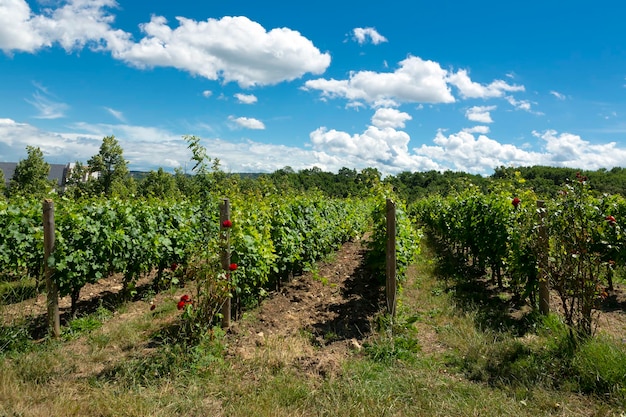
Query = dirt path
x=316 y=320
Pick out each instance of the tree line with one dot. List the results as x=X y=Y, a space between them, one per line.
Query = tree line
x=107 y=174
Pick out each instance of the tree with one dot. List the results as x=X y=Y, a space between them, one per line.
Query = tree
x=31 y=175
x=2 y=185
x=110 y=166
x=159 y=184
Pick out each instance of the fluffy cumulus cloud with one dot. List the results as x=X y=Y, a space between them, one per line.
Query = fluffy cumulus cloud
x=233 y=49
x=362 y=35
x=246 y=98
x=480 y=114
x=386 y=117
x=73 y=25
x=567 y=149
x=477 y=129
x=16 y=27
x=463 y=151
x=381 y=145
x=247 y=122
x=470 y=89
x=385 y=148
x=415 y=81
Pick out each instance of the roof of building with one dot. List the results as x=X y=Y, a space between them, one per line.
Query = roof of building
x=57 y=172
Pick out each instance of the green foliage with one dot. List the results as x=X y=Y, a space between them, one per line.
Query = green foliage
x=159 y=184
x=15 y=338
x=111 y=168
x=600 y=367
x=2 y=185
x=498 y=231
x=397 y=340
x=21 y=238
x=31 y=175
x=79 y=326
x=407 y=238
x=576 y=268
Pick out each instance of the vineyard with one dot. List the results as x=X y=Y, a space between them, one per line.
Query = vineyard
x=572 y=245
x=558 y=261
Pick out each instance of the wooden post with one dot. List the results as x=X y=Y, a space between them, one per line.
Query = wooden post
x=390 y=261
x=544 y=285
x=225 y=258
x=54 y=321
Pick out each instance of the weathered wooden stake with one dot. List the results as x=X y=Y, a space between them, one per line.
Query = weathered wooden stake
x=544 y=286
x=225 y=258
x=54 y=321
x=390 y=261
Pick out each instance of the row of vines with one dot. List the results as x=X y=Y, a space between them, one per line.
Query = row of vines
x=271 y=237
x=575 y=242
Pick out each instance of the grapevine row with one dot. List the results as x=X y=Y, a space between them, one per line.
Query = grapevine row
x=499 y=232
x=271 y=237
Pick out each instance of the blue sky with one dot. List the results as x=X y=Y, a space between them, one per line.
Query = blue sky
x=396 y=85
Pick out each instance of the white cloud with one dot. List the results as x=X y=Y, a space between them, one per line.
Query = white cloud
x=567 y=149
x=207 y=93
x=470 y=89
x=73 y=25
x=393 y=118
x=477 y=129
x=116 y=113
x=380 y=145
x=246 y=98
x=233 y=49
x=361 y=35
x=16 y=28
x=558 y=95
x=44 y=102
x=480 y=114
x=414 y=81
x=524 y=105
x=248 y=123
x=384 y=148
x=463 y=151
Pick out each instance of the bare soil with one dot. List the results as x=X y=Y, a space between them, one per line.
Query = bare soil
x=317 y=319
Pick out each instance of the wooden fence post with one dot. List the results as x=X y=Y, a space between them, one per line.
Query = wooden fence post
x=52 y=302
x=390 y=261
x=225 y=258
x=544 y=285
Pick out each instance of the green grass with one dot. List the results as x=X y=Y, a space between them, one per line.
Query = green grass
x=438 y=357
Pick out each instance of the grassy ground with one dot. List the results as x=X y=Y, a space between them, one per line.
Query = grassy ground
x=440 y=357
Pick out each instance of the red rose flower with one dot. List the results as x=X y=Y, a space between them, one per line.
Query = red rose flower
x=516 y=202
x=611 y=220
x=232 y=267
x=227 y=223
x=181 y=304
x=184 y=298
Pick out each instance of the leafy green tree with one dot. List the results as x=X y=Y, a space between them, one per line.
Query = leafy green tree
x=159 y=184
x=208 y=176
x=31 y=175
x=111 y=168
x=2 y=185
